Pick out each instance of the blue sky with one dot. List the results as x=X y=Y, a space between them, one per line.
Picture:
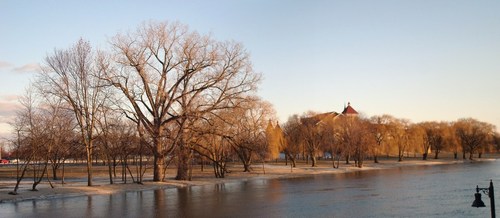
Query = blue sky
x=420 y=60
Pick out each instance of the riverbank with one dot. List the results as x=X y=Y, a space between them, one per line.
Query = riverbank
x=77 y=186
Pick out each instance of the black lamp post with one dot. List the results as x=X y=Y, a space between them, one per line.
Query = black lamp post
x=490 y=192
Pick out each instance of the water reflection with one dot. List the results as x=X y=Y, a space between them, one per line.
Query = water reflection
x=439 y=191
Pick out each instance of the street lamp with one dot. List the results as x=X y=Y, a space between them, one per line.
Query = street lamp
x=490 y=192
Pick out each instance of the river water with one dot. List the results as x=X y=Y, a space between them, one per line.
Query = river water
x=420 y=191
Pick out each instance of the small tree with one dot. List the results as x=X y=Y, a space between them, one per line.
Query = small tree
x=292 y=132
x=73 y=75
x=247 y=132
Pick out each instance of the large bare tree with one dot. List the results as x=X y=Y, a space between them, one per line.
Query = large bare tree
x=73 y=75
x=169 y=74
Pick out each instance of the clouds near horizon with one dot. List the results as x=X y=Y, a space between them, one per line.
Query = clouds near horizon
x=8 y=106
x=5 y=64
x=28 y=68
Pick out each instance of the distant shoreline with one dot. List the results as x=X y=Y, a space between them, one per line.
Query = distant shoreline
x=272 y=171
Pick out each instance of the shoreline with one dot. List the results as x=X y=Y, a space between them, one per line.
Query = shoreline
x=272 y=171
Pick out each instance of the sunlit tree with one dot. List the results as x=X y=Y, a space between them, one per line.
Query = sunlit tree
x=73 y=75
x=473 y=135
x=292 y=132
x=172 y=76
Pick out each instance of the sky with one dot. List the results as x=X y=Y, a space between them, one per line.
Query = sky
x=426 y=60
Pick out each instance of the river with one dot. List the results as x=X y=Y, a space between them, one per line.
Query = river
x=419 y=191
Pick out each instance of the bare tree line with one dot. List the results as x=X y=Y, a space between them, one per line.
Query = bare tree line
x=355 y=139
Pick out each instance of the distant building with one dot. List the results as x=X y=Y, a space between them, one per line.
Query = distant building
x=349 y=111
x=317 y=119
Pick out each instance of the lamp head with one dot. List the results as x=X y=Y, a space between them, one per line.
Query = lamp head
x=477 y=201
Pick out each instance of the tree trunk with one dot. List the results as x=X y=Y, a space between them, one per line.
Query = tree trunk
x=110 y=171
x=19 y=178
x=470 y=155
x=424 y=156
x=114 y=167
x=158 y=164
x=286 y=159
x=54 y=173
x=159 y=161
x=89 y=164
x=183 y=163
x=375 y=159
x=62 y=179
x=436 y=154
x=39 y=179
x=290 y=157
x=360 y=163
x=293 y=161
x=313 y=160
x=400 y=155
x=246 y=167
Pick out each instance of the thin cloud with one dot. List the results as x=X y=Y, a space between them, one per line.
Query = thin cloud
x=9 y=104
x=9 y=97
x=28 y=68
x=5 y=64
x=5 y=120
x=8 y=109
x=4 y=133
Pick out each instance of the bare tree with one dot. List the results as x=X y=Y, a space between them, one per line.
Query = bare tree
x=73 y=75
x=380 y=133
x=211 y=142
x=292 y=131
x=362 y=141
x=168 y=73
x=400 y=134
x=355 y=136
x=32 y=138
x=60 y=124
x=108 y=130
x=344 y=135
x=428 y=137
x=235 y=131
x=436 y=137
x=332 y=140
x=247 y=131
x=473 y=134
x=452 y=141
x=313 y=135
